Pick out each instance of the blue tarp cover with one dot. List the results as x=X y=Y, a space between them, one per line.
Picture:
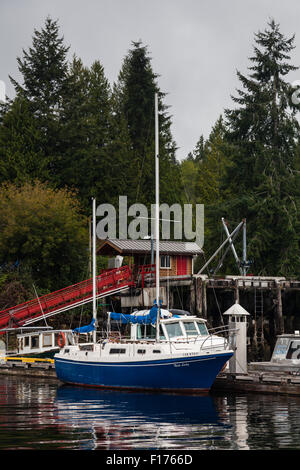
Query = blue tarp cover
x=136 y=317
x=139 y=317
x=87 y=328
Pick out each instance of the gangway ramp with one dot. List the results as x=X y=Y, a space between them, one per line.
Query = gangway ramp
x=107 y=283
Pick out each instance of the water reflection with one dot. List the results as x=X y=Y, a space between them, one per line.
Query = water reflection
x=39 y=414
x=120 y=420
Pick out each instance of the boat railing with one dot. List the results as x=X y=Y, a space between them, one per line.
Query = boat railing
x=222 y=332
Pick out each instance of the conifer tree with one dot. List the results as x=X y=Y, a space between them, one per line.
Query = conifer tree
x=134 y=93
x=84 y=132
x=262 y=132
x=21 y=156
x=44 y=73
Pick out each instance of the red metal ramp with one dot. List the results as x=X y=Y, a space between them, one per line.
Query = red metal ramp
x=73 y=296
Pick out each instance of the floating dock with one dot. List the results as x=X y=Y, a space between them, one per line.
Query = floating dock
x=258 y=382
x=30 y=367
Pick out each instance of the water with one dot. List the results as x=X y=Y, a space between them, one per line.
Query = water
x=40 y=414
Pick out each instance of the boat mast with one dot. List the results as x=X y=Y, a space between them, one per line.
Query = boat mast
x=157 y=214
x=94 y=269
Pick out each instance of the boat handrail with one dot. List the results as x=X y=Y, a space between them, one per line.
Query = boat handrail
x=226 y=330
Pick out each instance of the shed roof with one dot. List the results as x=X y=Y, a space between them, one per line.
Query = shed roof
x=130 y=247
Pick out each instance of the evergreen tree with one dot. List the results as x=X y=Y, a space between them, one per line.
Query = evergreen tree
x=44 y=71
x=134 y=93
x=21 y=156
x=262 y=133
x=199 y=151
x=85 y=132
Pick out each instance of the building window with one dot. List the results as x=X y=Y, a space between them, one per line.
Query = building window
x=165 y=261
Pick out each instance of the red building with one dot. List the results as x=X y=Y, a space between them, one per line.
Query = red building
x=176 y=257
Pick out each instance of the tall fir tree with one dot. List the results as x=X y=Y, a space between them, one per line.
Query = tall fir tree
x=134 y=93
x=21 y=156
x=261 y=181
x=84 y=132
x=44 y=74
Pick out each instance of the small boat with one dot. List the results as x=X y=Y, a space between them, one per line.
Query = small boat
x=43 y=344
x=164 y=352
x=285 y=357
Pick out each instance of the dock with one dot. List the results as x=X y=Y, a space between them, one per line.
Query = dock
x=29 y=367
x=258 y=382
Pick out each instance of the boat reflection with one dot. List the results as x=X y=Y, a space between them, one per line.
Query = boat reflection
x=128 y=420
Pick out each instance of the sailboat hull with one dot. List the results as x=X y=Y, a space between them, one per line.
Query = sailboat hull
x=185 y=375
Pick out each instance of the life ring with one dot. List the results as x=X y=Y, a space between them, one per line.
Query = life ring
x=61 y=339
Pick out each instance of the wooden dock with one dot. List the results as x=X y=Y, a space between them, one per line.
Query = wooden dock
x=29 y=367
x=258 y=382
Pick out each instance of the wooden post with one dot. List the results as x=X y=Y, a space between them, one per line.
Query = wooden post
x=170 y=294
x=198 y=282
x=204 y=300
x=279 y=317
x=192 y=297
x=236 y=292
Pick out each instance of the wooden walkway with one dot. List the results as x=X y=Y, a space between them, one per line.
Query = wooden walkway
x=264 y=383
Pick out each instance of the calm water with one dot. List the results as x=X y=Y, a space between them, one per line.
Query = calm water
x=42 y=415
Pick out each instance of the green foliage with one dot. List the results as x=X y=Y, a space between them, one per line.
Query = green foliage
x=84 y=133
x=21 y=156
x=43 y=230
x=70 y=130
x=262 y=183
x=44 y=71
x=134 y=97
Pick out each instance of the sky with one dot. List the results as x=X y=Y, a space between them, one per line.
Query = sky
x=196 y=46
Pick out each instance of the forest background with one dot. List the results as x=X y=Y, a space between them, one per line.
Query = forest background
x=69 y=135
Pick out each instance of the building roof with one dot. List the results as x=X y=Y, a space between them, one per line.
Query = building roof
x=131 y=247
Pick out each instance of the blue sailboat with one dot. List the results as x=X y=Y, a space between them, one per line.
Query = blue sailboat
x=164 y=352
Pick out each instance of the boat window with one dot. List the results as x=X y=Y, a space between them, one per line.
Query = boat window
x=280 y=349
x=141 y=351
x=117 y=351
x=190 y=328
x=86 y=347
x=146 y=332
x=26 y=341
x=69 y=338
x=56 y=339
x=173 y=329
x=156 y=350
x=47 y=340
x=161 y=333
x=203 y=329
x=34 y=342
x=294 y=350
